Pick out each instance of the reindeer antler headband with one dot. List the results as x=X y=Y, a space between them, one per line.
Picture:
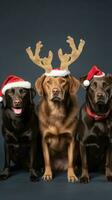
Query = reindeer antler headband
x=65 y=59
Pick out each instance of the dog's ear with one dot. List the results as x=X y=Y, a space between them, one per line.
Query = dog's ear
x=109 y=78
x=82 y=79
x=39 y=85
x=4 y=102
x=32 y=94
x=74 y=85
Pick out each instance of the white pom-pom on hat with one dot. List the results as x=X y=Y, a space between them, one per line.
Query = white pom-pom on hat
x=86 y=83
x=1 y=99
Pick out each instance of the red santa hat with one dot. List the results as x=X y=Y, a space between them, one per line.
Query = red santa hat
x=94 y=72
x=13 y=81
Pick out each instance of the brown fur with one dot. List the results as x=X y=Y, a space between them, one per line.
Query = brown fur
x=57 y=112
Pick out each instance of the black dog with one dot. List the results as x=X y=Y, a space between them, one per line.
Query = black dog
x=95 y=128
x=20 y=131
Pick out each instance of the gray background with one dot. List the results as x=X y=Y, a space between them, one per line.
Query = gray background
x=22 y=23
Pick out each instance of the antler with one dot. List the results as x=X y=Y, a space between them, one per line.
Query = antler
x=68 y=59
x=45 y=62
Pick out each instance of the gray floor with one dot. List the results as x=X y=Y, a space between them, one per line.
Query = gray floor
x=18 y=187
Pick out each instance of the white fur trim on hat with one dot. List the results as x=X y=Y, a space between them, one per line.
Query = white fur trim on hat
x=1 y=99
x=23 y=84
x=99 y=76
x=56 y=72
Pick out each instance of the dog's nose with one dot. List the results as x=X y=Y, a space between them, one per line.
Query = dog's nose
x=55 y=91
x=100 y=94
x=17 y=102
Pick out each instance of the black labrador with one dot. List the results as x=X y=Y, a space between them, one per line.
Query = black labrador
x=95 y=128
x=20 y=132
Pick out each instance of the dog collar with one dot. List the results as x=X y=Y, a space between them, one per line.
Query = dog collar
x=94 y=116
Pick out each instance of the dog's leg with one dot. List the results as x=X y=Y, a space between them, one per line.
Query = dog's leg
x=6 y=171
x=71 y=175
x=34 y=176
x=84 y=176
x=48 y=172
x=109 y=163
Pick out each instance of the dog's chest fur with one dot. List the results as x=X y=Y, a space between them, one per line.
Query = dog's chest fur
x=55 y=127
x=16 y=129
x=58 y=138
x=94 y=133
x=57 y=116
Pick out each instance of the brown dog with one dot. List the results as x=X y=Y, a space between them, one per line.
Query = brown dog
x=95 y=128
x=58 y=109
x=57 y=112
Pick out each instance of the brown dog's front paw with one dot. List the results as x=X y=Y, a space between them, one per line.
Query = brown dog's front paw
x=71 y=176
x=84 y=179
x=109 y=178
x=47 y=175
x=72 y=179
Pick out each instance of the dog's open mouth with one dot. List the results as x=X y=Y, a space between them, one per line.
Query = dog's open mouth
x=17 y=111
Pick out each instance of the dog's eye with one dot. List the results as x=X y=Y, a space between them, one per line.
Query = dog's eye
x=94 y=85
x=49 y=82
x=104 y=84
x=22 y=91
x=11 y=91
x=62 y=81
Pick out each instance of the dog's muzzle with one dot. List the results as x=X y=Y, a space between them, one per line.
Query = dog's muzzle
x=101 y=98
x=17 y=106
x=56 y=95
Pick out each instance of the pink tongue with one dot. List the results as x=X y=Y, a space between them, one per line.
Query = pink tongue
x=17 y=111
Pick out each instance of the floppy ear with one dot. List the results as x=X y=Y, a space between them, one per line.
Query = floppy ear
x=74 y=85
x=4 y=102
x=39 y=85
x=32 y=94
x=109 y=78
x=82 y=79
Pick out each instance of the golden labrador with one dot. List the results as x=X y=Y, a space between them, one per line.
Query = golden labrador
x=57 y=112
x=57 y=109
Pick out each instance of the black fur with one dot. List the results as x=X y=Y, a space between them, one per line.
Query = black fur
x=20 y=132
